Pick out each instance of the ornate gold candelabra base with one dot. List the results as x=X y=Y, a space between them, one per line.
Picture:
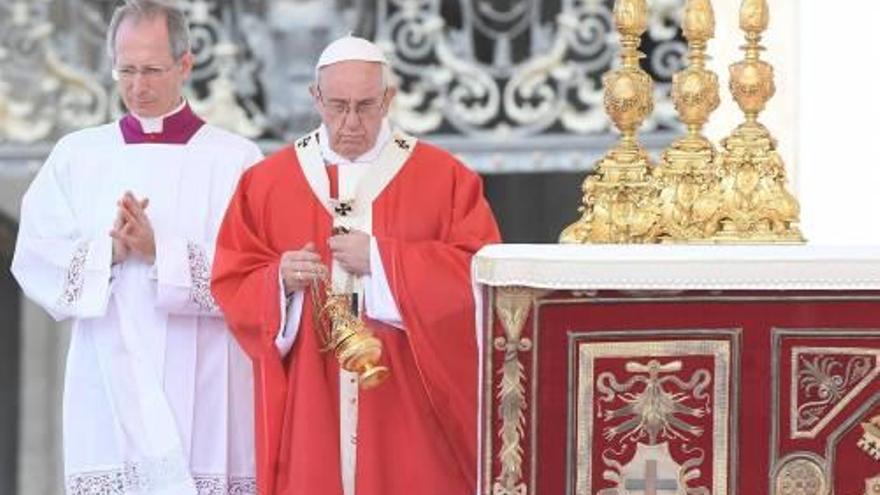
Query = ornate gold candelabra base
x=353 y=344
x=689 y=194
x=756 y=206
x=619 y=202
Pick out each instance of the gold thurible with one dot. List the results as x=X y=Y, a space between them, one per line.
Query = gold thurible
x=686 y=176
x=619 y=201
x=756 y=206
x=341 y=331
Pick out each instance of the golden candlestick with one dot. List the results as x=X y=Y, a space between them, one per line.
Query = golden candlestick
x=686 y=175
x=344 y=333
x=756 y=206
x=619 y=203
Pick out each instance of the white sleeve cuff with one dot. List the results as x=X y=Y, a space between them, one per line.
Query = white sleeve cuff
x=291 y=312
x=379 y=302
x=182 y=271
x=96 y=279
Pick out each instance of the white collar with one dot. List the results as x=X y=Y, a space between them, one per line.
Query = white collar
x=331 y=157
x=154 y=125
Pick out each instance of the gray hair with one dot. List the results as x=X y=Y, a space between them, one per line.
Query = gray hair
x=178 y=26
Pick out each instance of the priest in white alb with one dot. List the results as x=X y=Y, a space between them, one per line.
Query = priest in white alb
x=117 y=234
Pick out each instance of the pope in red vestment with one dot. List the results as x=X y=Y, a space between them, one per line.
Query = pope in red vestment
x=416 y=432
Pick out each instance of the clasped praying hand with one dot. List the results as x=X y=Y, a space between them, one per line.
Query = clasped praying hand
x=132 y=232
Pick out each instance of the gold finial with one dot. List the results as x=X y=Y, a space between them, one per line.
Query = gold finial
x=618 y=201
x=751 y=80
x=629 y=90
x=699 y=21
x=631 y=17
x=695 y=89
x=754 y=16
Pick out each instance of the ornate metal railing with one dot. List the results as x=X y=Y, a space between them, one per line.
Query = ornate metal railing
x=512 y=85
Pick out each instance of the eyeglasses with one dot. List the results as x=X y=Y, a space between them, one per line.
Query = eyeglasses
x=363 y=109
x=150 y=72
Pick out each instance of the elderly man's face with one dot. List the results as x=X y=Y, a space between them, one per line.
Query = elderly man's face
x=352 y=99
x=150 y=80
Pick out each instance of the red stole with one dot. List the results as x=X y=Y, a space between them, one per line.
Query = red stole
x=333 y=177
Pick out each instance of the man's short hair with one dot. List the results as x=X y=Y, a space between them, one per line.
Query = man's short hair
x=178 y=26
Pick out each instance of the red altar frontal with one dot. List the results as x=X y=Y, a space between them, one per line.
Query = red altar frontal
x=613 y=370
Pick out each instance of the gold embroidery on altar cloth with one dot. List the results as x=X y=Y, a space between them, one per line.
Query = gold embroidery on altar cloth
x=513 y=306
x=870 y=441
x=828 y=379
x=652 y=410
x=801 y=476
x=872 y=485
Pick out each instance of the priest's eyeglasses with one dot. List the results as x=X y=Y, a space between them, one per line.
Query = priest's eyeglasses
x=363 y=109
x=149 y=72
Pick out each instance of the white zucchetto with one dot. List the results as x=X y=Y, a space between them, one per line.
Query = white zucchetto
x=351 y=48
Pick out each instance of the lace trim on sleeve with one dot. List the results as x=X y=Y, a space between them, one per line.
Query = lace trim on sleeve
x=222 y=485
x=73 y=282
x=137 y=477
x=200 y=274
x=133 y=478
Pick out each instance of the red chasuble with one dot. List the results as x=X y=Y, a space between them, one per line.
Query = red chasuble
x=417 y=432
